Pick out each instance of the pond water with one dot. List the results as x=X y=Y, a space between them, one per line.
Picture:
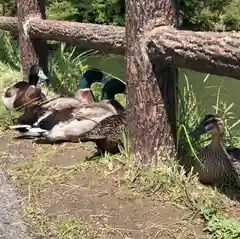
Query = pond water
x=206 y=92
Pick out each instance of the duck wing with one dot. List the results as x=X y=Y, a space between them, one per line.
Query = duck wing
x=95 y=112
x=233 y=155
x=61 y=103
x=110 y=127
x=54 y=118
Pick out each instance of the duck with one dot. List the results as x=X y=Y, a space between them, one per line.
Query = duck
x=107 y=134
x=216 y=164
x=70 y=122
x=114 y=86
x=23 y=93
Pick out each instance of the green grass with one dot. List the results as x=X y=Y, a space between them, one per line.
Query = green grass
x=218 y=226
x=69 y=228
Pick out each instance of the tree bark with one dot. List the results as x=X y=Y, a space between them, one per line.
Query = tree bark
x=212 y=52
x=148 y=123
x=33 y=51
x=106 y=38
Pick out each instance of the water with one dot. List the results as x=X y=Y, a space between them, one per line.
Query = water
x=205 y=92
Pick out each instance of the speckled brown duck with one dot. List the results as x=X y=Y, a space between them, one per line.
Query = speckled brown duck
x=217 y=165
x=108 y=133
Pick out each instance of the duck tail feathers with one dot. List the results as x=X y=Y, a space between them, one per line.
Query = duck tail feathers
x=28 y=130
x=21 y=127
x=37 y=130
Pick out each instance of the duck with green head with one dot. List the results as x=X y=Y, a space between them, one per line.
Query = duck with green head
x=70 y=122
x=23 y=93
x=113 y=87
x=83 y=95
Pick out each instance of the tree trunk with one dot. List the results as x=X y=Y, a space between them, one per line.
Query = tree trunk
x=149 y=125
x=32 y=51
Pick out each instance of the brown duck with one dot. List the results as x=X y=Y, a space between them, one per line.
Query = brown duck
x=23 y=94
x=217 y=165
x=108 y=133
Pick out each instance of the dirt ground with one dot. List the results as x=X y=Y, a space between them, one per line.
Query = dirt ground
x=63 y=196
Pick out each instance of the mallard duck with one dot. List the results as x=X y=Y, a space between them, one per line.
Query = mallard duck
x=83 y=95
x=69 y=124
x=114 y=86
x=107 y=134
x=60 y=124
x=217 y=164
x=23 y=93
x=92 y=75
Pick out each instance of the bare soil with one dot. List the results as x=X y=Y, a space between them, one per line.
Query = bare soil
x=87 y=201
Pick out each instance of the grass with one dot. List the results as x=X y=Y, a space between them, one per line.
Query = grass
x=38 y=173
x=218 y=226
x=167 y=183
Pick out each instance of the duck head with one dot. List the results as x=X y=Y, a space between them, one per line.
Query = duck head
x=36 y=75
x=211 y=124
x=110 y=89
x=22 y=92
x=113 y=87
x=84 y=92
x=91 y=76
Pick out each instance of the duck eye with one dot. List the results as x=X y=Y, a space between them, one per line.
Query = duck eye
x=209 y=127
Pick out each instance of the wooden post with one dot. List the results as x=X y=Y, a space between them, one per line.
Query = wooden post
x=33 y=51
x=150 y=86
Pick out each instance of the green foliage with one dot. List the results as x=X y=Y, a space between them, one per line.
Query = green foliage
x=213 y=15
x=9 y=50
x=65 y=69
x=62 y=10
x=102 y=11
x=218 y=226
x=92 y=11
x=232 y=16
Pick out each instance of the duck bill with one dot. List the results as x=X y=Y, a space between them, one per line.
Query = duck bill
x=42 y=75
x=197 y=131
